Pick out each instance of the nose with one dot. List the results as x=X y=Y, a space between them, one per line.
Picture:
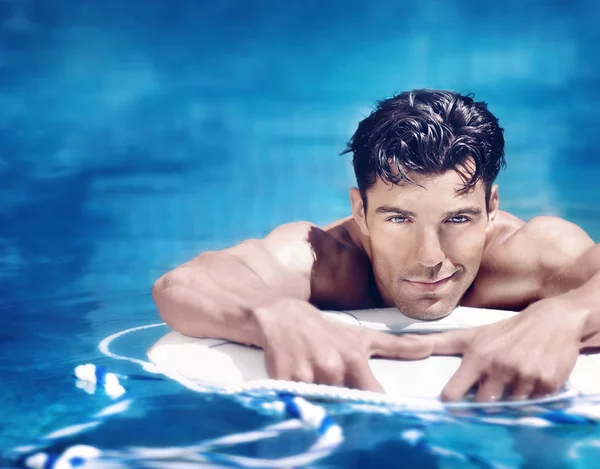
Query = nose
x=429 y=252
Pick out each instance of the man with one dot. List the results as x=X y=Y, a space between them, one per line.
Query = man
x=426 y=234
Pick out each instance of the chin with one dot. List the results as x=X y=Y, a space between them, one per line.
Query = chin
x=427 y=310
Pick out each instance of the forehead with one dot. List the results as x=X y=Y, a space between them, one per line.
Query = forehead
x=441 y=189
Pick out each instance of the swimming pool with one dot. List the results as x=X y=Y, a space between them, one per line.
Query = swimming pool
x=133 y=138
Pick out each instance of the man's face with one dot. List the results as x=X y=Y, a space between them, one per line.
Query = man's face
x=426 y=243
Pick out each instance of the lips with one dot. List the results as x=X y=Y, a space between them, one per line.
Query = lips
x=429 y=285
x=429 y=282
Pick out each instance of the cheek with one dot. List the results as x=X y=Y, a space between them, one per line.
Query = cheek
x=389 y=248
x=467 y=247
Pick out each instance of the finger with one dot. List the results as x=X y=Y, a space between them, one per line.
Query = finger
x=465 y=377
x=523 y=389
x=303 y=373
x=406 y=347
x=451 y=342
x=362 y=377
x=545 y=388
x=491 y=389
x=329 y=371
x=330 y=380
x=277 y=367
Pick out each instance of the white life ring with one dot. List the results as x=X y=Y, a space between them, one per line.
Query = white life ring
x=228 y=365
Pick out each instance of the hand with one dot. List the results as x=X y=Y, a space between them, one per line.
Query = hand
x=301 y=344
x=529 y=355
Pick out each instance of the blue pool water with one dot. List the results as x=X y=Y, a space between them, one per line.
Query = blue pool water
x=135 y=135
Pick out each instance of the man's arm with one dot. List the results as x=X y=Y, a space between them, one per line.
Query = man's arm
x=570 y=263
x=534 y=352
x=587 y=297
x=218 y=293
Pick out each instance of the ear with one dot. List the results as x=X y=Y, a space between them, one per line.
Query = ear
x=358 y=211
x=494 y=204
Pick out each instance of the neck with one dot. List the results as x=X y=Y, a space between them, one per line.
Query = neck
x=379 y=296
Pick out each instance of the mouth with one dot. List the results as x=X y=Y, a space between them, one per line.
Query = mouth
x=429 y=285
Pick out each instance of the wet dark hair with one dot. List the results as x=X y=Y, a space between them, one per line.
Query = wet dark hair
x=428 y=132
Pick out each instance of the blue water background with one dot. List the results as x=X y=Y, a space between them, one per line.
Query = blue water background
x=135 y=135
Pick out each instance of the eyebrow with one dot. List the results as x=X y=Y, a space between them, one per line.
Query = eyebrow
x=474 y=211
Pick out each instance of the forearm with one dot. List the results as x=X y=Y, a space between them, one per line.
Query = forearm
x=216 y=297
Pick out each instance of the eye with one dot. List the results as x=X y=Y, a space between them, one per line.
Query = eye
x=459 y=219
x=398 y=220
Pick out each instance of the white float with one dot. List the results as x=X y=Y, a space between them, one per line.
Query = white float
x=223 y=364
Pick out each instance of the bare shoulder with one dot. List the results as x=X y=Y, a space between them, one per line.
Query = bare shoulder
x=299 y=244
x=547 y=241
x=337 y=268
x=521 y=256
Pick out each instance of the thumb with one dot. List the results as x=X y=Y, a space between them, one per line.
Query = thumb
x=405 y=347
x=451 y=342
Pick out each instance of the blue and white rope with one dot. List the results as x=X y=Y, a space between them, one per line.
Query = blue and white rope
x=535 y=412
x=305 y=416
x=94 y=376
x=308 y=416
